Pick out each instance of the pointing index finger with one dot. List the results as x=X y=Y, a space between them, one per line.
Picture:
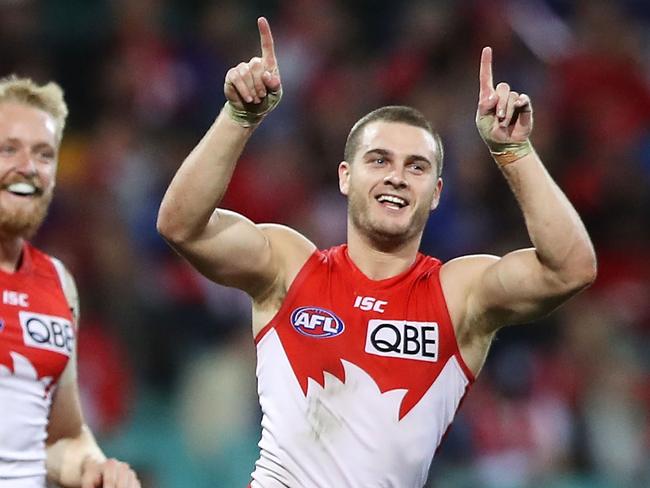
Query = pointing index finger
x=266 y=40
x=486 y=85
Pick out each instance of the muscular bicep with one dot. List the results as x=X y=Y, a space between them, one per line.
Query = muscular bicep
x=515 y=288
x=518 y=288
x=231 y=251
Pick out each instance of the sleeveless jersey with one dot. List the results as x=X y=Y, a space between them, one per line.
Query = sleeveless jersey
x=358 y=379
x=36 y=340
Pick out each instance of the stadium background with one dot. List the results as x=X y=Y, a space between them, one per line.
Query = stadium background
x=166 y=361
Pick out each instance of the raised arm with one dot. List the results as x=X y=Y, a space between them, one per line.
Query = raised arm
x=489 y=292
x=226 y=247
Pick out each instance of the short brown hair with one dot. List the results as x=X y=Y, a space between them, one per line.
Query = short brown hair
x=48 y=97
x=392 y=113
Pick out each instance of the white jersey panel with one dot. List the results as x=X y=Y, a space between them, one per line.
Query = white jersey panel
x=28 y=482
x=347 y=433
x=22 y=450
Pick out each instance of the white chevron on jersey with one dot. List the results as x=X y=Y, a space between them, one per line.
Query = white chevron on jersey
x=24 y=383
x=347 y=434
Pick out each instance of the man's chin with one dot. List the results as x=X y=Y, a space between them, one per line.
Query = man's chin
x=22 y=226
x=25 y=220
x=13 y=231
x=387 y=232
x=392 y=236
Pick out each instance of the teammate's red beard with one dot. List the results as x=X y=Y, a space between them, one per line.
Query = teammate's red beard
x=23 y=221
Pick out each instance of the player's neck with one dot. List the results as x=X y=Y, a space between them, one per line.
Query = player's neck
x=10 y=253
x=377 y=263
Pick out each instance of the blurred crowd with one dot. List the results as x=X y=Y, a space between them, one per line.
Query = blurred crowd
x=167 y=365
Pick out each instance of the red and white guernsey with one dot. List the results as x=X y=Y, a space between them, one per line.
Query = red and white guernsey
x=358 y=379
x=36 y=340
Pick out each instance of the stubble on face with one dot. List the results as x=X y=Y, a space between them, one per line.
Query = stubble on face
x=385 y=234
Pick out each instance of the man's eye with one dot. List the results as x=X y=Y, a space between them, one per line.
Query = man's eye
x=6 y=149
x=380 y=160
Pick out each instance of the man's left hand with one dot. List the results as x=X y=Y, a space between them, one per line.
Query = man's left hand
x=503 y=115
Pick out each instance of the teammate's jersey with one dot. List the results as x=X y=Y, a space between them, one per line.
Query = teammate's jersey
x=358 y=379
x=36 y=341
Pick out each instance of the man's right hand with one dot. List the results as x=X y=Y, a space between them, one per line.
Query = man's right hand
x=255 y=88
x=108 y=474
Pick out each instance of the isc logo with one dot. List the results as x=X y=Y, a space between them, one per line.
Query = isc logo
x=403 y=339
x=370 y=303
x=10 y=297
x=47 y=332
x=316 y=322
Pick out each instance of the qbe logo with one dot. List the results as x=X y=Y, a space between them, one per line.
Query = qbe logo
x=403 y=339
x=316 y=322
x=47 y=332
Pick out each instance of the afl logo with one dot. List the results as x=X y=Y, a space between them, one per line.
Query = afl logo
x=316 y=322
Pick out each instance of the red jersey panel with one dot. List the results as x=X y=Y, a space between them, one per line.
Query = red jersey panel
x=37 y=338
x=358 y=378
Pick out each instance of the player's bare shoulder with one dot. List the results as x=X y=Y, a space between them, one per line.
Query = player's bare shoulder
x=458 y=277
x=466 y=268
x=290 y=247
x=290 y=250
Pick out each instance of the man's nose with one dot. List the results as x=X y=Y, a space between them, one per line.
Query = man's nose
x=25 y=163
x=396 y=178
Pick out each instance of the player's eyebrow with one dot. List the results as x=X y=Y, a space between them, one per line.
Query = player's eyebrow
x=420 y=159
x=378 y=150
x=410 y=158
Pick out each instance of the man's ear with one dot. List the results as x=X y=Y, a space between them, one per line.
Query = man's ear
x=344 y=177
x=436 y=194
